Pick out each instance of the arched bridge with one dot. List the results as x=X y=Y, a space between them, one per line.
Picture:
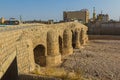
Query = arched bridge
x=24 y=46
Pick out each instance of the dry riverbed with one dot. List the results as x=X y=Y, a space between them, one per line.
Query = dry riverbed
x=98 y=60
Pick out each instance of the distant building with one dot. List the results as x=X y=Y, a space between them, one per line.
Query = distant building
x=82 y=15
x=11 y=21
x=2 y=20
x=103 y=17
x=50 y=21
x=14 y=22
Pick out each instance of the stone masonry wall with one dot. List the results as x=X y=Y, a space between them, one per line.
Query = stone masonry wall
x=110 y=28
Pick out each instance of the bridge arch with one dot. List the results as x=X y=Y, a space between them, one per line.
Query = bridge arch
x=39 y=55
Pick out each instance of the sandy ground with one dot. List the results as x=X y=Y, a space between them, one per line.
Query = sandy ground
x=98 y=60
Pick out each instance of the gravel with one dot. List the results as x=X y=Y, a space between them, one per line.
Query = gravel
x=98 y=60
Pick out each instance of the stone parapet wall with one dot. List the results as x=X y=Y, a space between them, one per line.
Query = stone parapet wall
x=110 y=28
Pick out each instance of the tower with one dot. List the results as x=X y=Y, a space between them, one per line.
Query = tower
x=2 y=20
x=101 y=16
x=94 y=14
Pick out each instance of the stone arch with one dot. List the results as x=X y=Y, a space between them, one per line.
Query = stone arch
x=60 y=44
x=39 y=55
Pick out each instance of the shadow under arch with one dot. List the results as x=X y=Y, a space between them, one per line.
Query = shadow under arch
x=60 y=44
x=73 y=38
x=12 y=71
x=39 y=55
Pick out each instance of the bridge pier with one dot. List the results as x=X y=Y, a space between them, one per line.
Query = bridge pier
x=77 y=38
x=53 y=55
x=31 y=56
x=84 y=37
x=67 y=42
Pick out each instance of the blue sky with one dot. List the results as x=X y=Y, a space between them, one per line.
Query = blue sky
x=53 y=9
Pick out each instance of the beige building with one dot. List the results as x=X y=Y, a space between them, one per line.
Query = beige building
x=2 y=20
x=103 y=17
x=82 y=15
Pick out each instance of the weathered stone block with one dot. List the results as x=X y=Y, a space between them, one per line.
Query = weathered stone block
x=52 y=61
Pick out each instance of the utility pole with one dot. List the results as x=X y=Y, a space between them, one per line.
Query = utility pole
x=20 y=19
x=119 y=19
x=101 y=12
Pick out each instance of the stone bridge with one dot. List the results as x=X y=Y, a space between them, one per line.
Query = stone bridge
x=25 y=45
